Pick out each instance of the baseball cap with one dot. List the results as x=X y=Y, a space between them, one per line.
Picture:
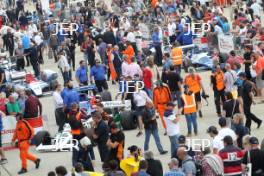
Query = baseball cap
x=181 y=139
x=253 y=140
x=212 y=129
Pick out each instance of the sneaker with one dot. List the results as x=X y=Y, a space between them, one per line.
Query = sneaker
x=189 y=135
x=139 y=134
x=164 y=152
x=22 y=171
x=165 y=134
x=3 y=161
x=37 y=162
x=259 y=124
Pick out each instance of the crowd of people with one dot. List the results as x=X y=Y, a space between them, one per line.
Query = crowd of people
x=140 y=43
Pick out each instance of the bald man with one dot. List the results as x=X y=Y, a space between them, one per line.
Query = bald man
x=188 y=165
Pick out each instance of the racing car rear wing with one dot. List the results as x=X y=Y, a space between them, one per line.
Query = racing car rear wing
x=85 y=88
x=117 y=104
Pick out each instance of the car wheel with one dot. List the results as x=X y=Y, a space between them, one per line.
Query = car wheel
x=128 y=121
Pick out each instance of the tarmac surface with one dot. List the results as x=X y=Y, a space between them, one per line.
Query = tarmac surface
x=50 y=160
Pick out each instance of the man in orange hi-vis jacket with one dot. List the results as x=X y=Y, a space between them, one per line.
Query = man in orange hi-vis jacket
x=129 y=52
x=161 y=96
x=23 y=133
x=110 y=57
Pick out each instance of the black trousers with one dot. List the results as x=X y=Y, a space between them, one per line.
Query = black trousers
x=20 y=63
x=60 y=118
x=249 y=115
x=218 y=97
x=158 y=56
x=27 y=51
x=103 y=151
x=36 y=69
x=101 y=84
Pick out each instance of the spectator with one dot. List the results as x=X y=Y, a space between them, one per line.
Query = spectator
x=64 y=67
x=247 y=96
x=231 y=157
x=254 y=156
x=51 y=173
x=58 y=103
x=142 y=170
x=3 y=159
x=157 y=44
x=33 y=107
x=98 y=75
x=230 y=79
x=81 y=74
x=151 y=128
x=116 y=143
x=225 y=130
x=188 y=165
x=61 y=171
x=114 y=169
x=154 y=166
x=172 y=124
x=147 y=79
x=21 y=100
x=80 y=170
x=12 y=106
x=174 y=168
x=211 y=163
x=217 y=143
x=101 y=135
x=69 y=97
x=174 y=81
x=231 y=106
x=239 y=128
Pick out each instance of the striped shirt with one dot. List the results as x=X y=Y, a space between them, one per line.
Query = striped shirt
x=232 y=159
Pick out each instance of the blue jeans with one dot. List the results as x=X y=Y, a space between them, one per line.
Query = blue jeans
x=176 y=95
x=149 y=92
x=154 y=132
x=174 y=143
x=191 y=120
x=66 y=76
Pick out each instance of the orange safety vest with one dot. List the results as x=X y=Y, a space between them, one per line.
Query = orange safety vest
x=111 y=65
x=189 y=104
x=77 y=131
x=193 y=83
x=219 y=78
x=176 y=56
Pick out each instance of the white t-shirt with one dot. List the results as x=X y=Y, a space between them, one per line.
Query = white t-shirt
x=140 y=98
x=131 y=37
x=171 y=29
x=227 y=132
x=256 y=8
x=172 y=128
x=217 y=143
x=63 y=63
x=58 y=101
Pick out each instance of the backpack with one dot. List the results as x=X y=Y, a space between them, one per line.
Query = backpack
x=30 y=129
x=198 y=166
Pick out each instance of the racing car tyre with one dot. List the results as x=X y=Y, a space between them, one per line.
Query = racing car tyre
x=41 y=137
x=128 y=121
x=106 y=96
